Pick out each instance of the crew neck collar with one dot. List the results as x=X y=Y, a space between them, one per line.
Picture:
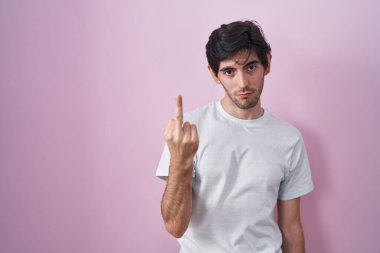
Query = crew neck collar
x=244 y=122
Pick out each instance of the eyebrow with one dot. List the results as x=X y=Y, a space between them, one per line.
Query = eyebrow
x=230 y=67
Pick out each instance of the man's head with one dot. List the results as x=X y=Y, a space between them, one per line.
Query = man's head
x=239 y=57
x=229 y=39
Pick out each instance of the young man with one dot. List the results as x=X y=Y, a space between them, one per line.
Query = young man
x=229 y=163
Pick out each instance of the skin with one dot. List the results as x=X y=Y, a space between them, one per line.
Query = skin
x=240 y=74
x=242 y=78
x=176 y=204
x=289 y=221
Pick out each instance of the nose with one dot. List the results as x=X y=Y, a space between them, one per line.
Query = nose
x=242 y=80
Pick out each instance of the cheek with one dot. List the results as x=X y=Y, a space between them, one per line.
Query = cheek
x=257 y=79
x=229 y=85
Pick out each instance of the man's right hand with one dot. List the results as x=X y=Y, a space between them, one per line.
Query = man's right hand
x=181 y=138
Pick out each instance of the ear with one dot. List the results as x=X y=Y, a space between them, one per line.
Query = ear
x=267 y=70
x=216 y=79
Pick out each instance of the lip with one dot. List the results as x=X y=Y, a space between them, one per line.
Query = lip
x=246 y=94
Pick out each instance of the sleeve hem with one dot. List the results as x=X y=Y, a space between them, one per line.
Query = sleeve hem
x=161 y=175
x=164 y=176
x=297 y=194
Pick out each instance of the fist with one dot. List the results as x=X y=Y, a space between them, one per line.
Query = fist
x=181 y=138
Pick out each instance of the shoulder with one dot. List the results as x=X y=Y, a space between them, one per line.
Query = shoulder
x=200 y=113
x=283 y=129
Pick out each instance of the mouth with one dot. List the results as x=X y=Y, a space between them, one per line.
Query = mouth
x=244 y=94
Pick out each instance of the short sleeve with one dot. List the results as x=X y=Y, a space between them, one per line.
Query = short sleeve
x=163 y=166
x=298 y=180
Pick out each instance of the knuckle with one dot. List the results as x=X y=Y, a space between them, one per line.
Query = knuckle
x=168 y=138
x=176 y=138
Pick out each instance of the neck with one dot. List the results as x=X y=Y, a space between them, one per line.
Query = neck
x=248 y=114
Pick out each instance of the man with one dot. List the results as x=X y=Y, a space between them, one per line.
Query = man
x=229 y=163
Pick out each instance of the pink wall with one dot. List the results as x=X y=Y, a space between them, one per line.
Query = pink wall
x=88 y=86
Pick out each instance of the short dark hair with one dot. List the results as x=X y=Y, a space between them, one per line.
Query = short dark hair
x=230 y=38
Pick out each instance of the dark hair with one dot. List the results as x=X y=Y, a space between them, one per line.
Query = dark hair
x=229 y=39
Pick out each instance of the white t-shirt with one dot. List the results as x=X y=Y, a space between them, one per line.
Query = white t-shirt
x=241 y=168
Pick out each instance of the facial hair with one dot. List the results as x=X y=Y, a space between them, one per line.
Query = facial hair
x=248 y=103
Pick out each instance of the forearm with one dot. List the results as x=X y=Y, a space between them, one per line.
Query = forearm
x=176 y=205
x=293 y=239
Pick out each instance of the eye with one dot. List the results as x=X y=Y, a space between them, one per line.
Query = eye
x=227 y=72
x=251 y=68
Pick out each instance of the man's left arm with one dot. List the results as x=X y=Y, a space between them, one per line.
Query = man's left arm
x=289 y=221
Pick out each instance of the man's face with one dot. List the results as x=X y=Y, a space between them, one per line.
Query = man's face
x=242 y=77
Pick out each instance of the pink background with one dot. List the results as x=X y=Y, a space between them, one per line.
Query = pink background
x=87 y=88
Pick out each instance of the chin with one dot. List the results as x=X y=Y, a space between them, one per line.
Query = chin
x=246 y=106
